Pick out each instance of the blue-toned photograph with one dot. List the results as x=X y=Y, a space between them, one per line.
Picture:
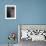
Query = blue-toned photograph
x=13 y=13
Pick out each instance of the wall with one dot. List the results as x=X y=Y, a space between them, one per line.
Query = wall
x=27 y=12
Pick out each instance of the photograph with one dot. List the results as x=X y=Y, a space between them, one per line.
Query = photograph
x=28 y=33
x=10 y=11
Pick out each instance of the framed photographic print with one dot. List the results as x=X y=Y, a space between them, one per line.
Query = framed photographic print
x=33 y=32
x=10 y=11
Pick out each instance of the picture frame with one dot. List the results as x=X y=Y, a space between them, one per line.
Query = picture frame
x=10 y=11
x=39 y=28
